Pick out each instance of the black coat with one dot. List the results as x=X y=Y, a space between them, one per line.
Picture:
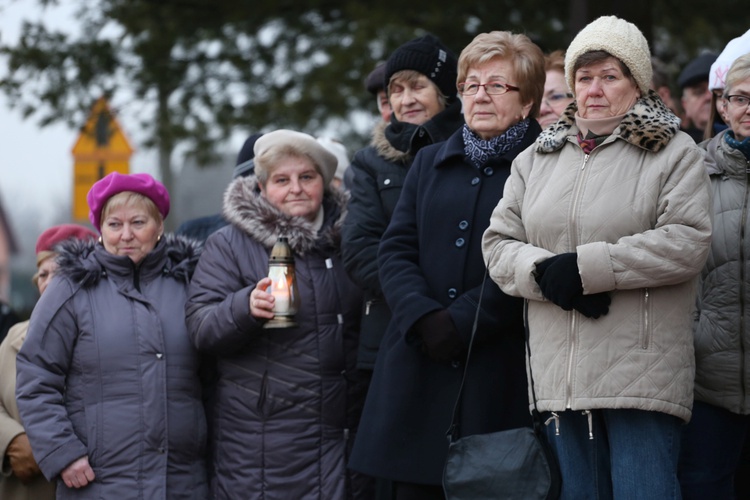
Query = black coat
x=431 y=259
x=379 y=173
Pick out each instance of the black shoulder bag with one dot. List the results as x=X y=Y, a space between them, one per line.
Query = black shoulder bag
x=509 y=464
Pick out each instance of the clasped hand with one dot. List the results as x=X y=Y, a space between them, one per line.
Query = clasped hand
x=560 y=282
x=21 y=459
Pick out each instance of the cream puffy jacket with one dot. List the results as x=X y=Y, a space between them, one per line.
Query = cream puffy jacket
x=637 y=212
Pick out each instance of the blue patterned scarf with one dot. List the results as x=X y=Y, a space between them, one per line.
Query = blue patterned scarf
x=478 y=150
x=743 y=147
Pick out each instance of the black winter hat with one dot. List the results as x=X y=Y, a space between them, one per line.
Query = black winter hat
x=245 y=164
x=374 y=81
x=429 y=56
x=696 y=70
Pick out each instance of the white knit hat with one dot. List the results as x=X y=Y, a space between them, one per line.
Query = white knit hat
x=306 y=144
x=339 y=151
x=618 y=37
x=719 y=69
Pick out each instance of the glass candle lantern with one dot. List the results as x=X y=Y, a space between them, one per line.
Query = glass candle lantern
x=283 y=286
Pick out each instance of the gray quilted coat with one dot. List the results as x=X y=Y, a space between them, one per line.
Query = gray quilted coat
x=287 y=401
x=107 y=370
x=722 y=337
x=637 y=211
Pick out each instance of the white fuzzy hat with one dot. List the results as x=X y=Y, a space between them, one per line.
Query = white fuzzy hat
x=306 y=144
x=339 y=151
x=618 y=37
x=719 y=69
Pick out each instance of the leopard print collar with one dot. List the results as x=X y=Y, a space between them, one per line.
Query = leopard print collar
x=649 y=125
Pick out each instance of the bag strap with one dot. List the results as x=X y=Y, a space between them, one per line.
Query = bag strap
x=453 y=430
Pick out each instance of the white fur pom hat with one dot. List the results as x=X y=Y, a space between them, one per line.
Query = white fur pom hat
x=618 y=37
x=306 y=144
x=719 y=69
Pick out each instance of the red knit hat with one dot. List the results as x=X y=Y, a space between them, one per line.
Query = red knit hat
x=115 y=183
x=54 y=235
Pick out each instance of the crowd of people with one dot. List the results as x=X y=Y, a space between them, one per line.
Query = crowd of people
x=563 y=203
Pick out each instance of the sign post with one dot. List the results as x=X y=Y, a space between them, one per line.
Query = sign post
x=101 y=148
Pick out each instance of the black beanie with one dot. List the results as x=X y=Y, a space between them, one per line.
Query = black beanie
x=245 y=164
x=374 y=81
x=428 y=56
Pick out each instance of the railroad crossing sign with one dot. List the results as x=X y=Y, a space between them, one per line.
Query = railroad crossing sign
x=101 y=148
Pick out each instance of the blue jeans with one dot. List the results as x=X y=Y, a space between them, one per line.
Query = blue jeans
x=633 y=454
x=711 y=448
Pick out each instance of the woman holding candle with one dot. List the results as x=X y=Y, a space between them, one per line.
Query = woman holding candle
x=287 y=400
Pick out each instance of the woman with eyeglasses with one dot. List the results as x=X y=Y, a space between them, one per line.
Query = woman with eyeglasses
x=431 y=272
x=712 y=441
x=604 y=227
x=557 y=96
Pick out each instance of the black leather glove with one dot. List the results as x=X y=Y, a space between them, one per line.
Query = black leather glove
x=440 y=338
x=592 y=306
x=559 y=279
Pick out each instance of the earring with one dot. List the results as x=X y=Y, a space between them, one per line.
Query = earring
x=158 y=238
x=100 y=240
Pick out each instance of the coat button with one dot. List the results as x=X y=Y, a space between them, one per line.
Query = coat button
x=475 y=181
x=463 y=225
x=452 y=293
x=460 y=242
x=159 y=355
x=387 y=181
x=488 y=171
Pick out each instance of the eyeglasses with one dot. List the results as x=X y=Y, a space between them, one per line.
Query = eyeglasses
x=555 y=100
x=491 y=88
x=738 y=101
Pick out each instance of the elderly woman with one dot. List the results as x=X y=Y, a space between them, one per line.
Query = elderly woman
x=432 y=273
x=603 y=228
x=713 y=439
x=21 y=478
x=108 y=384
x=287 y=400
x=557 y=97
x=421 y=85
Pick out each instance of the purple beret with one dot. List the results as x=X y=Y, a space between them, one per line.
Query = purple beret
x=115 y=183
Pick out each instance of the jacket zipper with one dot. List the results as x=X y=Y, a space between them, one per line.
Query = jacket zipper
x=573 y=314
x=646 y=321
x=742 y=284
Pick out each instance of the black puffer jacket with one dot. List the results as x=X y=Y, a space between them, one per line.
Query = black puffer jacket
x=287 y=401
x=379 y=173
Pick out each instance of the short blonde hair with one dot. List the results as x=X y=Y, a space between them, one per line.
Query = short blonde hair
x=739 y=71
x=129 y=199
x=269 y=159
x=524 y=55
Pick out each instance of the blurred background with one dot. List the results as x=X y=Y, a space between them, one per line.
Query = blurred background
x=186 y=81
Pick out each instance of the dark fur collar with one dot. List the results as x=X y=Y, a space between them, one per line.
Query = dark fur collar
x=79 y=263
x=649 y=124
x=251 y=213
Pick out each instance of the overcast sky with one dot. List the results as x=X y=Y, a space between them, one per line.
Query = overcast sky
x=36 y=164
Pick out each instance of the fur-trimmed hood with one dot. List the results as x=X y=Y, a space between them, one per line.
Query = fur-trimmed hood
x=252 y=214
x=649 y=125
x=86 y=261
x=384 y=148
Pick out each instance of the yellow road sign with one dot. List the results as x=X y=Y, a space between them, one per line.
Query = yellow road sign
x=101 y=148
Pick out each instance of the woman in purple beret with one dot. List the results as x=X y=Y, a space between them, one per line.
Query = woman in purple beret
x=108 y=385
